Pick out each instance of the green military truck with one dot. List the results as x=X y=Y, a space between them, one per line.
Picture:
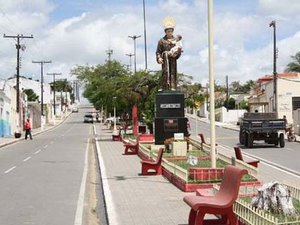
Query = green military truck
x=262 y=126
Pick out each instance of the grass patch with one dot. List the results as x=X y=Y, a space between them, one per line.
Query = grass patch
x=193 y=152
x=200 y=164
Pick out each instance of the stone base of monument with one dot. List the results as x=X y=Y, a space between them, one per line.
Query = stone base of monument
x=169 y=116
x=165 y=128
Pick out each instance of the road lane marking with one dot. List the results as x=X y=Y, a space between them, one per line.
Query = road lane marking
x=267 y=163
x=38 y=151
x=11 y=169
x=80 y=202
x=226 y=138
x=111 y=212
x=24 y=160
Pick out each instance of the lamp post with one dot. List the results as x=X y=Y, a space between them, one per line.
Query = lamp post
x=145 y=35
x=211 y=84
x=134 y=37
x=115 y=125
x=273 y=24
x=130 y=65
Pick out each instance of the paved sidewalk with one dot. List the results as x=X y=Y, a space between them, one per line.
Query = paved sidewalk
x=149 y=200
x=131 y=198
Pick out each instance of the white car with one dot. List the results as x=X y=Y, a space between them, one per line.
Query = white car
x=75 y=109
x=88 y=118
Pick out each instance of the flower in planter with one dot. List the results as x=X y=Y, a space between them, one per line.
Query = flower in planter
x=192 y=160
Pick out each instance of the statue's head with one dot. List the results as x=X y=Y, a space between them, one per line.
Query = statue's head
x=169 y=32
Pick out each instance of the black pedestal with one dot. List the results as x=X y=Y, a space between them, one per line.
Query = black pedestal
x=169 y=116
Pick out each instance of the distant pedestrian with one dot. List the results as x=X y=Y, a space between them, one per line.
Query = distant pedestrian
x=28 y=129
x=188 y=124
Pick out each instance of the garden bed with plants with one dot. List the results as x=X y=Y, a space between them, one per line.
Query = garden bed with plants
x=188 y=177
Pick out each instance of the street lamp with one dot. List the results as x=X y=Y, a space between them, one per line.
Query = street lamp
x=130 y=55
x=273 y=24
x=211 y=84
x=115 y=125
x=134 y=37
x=145 y=35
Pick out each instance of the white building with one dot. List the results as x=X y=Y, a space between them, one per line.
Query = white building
x=8 y=117
x=288 y=95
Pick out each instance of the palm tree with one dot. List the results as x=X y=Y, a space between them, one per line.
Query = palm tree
x=295 y=65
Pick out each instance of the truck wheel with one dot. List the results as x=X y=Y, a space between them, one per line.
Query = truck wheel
x=242 y=138
x=245 y=139
x=281 y=140
x=250 y=140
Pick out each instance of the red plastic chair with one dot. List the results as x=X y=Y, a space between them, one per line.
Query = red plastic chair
x=239 y=156
x=153 y=165
x=219 y=204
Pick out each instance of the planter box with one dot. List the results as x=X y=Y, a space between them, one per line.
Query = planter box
x=188 y=180
x=205 y=174
x=179 y=148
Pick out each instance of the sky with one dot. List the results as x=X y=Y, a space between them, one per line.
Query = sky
x=71 y=33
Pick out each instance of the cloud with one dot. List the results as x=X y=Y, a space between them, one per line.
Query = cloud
x=286 y=8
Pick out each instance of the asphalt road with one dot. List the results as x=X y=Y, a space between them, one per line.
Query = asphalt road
x=40 y=179
x=286 y=158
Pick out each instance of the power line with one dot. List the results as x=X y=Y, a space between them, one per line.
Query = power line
x=11 y=21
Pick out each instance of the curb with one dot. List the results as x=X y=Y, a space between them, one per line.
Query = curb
x=12 y=141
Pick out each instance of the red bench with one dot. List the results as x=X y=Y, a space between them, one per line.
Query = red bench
x=153 y=165
x=239 y=156
x=219 y=204
x=132 y=148
x=116 y=137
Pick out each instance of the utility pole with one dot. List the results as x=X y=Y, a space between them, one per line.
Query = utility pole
x=145 y=35
x=54 y=97
x=227 y=93
x=109 y=52
x=42 y=83
x=273 y=24
x=134 y=37
x=130 y=55
x=18 y=38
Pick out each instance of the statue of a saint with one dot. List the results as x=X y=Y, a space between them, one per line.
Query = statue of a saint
x=169 y=49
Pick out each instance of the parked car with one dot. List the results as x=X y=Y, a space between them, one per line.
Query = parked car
x=88 y=118
x=75 y=109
